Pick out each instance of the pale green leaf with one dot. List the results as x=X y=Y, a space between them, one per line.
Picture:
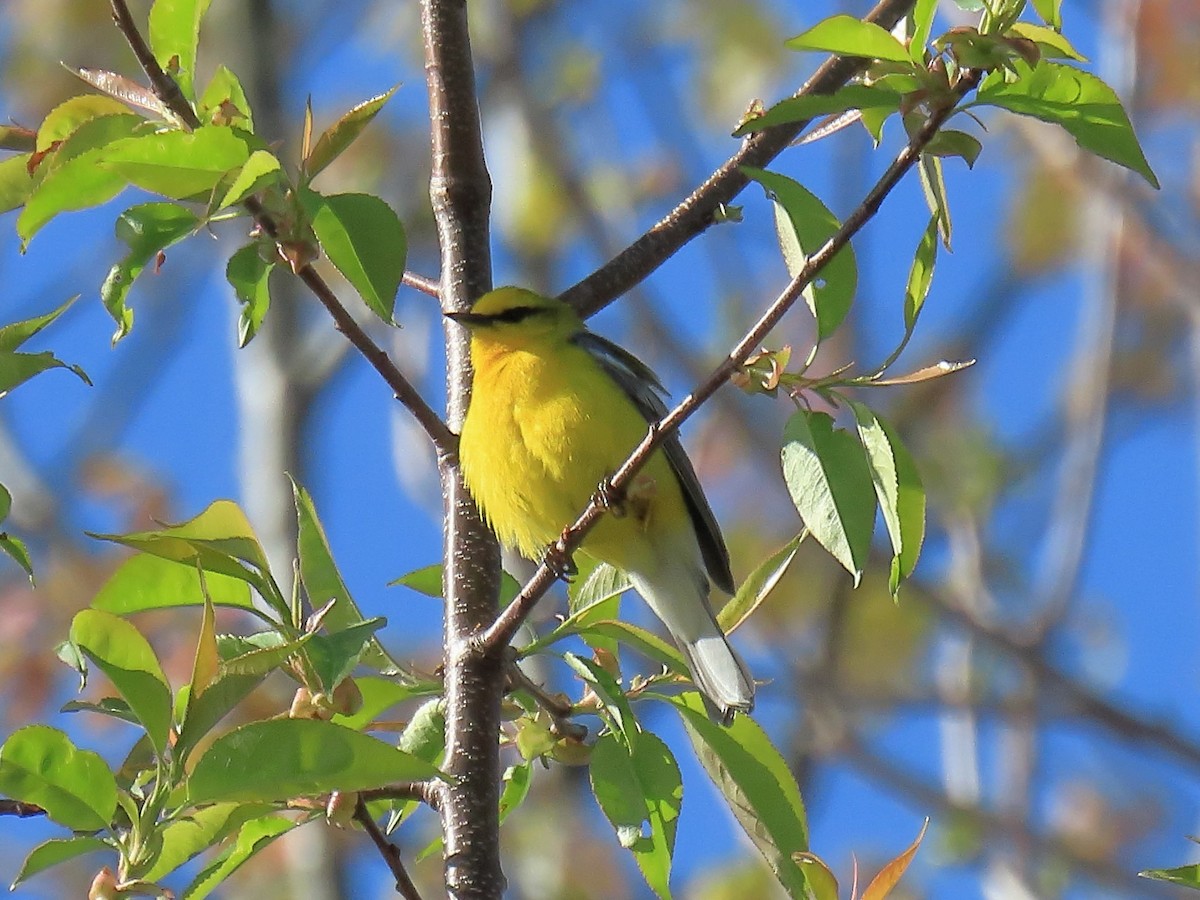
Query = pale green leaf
x=40 y=765
x=849 y=36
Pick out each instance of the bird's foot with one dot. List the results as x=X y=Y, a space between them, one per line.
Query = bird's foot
x=559 y=561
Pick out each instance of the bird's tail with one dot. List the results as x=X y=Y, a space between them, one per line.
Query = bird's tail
x=682 y=605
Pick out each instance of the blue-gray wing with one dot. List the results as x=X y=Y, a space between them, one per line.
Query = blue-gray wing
x=642 y=387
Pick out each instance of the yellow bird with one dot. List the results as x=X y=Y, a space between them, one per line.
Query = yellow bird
x=555 y=409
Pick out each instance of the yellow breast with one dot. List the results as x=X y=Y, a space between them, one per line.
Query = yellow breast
x=545 y=426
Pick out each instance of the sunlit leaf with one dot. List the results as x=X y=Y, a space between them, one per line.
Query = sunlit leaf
x=341 y=134
x=640 y=792
x=757 y=784
x=933 y=186
x=124 y=89
x=605 y=687
x=800 y=109
x=758 y=586
x=830 y=483
x=200 y=829
x=71 y=177
x=1081 y=103
x=17 y=368
x=1188 y=876
x=179 y=164
x=889 y=876
x=920 y=275
x=174 y=34
x=14 y=335
x=364 y=239
x=822 y=885
x=922 y=21
x=249 y=276
x=261 y=169
x=126 y=657
x=849 y=36
x=897 y=487
x=15 y=181
x=1053 y=43
x=253 y=837
x=805 y=225
x=40 y=765
x=648 y=645
x=224 y=101
x=147 y=230
x=1050 y=12
x=298 y=757
x=57 y=850
x=950 y=143
x=66 y=118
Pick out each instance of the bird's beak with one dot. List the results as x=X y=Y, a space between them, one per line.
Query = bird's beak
x=465 y=318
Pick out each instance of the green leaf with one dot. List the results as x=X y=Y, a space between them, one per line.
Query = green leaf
x=922 y=21
x=602 y=582
x=113 y=707
x=250 y=274
x=758 y=586
x=827 y=476
x=147 y=229
x=1188 y=876
x=127 y=658
x=17 y=368
x=1081 y=103
x=426 y=580
x=801 y=109
x=298 y=757
x=174 y=35
x=364 y=239
x=1052 y=42
x=849 y=36
x=323 y=582
x=425 y=738
x=756 y=782
x=5 y=503
x=516 y=782
x=150 y=582
x=933 y=186
x=920 y=276
x=14 y=335
x=253 y=837
x=1050 y=12
x=949 y=142
x=57 y=850
x=224 y=101
x=73 y=178
x=897 y=487
x=220 y=539
x=179 y=164
x=822 y=885
x=15 y=548
x=66 y=118
x=640 y=793
x=804 y=225
x=200 y=829
x=334 y=656
x=605 y=687
x=261 y=170
x=16 y=183
x=40 y=765
x=650 y=646
x=341 y=134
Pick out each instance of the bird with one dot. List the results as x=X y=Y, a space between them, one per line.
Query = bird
x=555 y=409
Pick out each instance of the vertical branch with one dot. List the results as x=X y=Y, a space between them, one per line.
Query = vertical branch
x=460 y=190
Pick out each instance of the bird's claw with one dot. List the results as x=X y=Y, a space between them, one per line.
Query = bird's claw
x=610 y=498
x=559 y=561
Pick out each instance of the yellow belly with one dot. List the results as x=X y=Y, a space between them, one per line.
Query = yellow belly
x=533 y=455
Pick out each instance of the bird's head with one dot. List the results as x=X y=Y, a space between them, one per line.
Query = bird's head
x=516 y=317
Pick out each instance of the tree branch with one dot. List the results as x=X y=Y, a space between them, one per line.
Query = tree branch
x=460 y=190
x=168 y=92
x=505 y=626
x=698 y=211
x=389 y=851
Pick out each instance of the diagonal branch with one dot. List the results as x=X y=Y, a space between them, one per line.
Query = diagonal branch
x=168 y=92
x=505 y=626
x=389 y=851
x=699 y=210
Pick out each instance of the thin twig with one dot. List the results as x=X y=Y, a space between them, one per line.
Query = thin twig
x=505 y=626
x=423 y=284
x=699 y=210
x=168 y=92
x=389 y=851
x=404 y=790
x=558 y=710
